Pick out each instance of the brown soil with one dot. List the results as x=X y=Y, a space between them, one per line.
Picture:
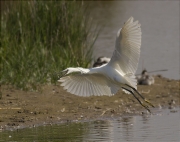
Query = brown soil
x=54 y=105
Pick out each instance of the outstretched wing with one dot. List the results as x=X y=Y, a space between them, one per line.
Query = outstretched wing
x=127 y=50
x=89 y=84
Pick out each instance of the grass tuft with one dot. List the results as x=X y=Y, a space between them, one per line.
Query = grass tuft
x=40 y=38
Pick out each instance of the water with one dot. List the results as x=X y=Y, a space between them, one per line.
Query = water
x=160 y=32
x=162 y=126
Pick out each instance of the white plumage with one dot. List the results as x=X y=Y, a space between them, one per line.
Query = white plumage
x=118 y=73
x=109 y=78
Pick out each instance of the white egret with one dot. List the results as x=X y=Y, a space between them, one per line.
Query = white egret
x=116 y=74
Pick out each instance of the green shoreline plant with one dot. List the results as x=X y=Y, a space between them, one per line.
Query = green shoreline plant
x=40 y=38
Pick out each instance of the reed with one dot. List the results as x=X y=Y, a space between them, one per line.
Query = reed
x=40 y=38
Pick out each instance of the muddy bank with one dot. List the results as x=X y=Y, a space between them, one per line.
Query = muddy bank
x=54 y=105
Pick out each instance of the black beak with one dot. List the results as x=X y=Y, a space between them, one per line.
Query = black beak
x=63 y=73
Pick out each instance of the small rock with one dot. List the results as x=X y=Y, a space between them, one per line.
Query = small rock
x=96 y=107
x=116 y=101
x=8 y=95
x=63 y=109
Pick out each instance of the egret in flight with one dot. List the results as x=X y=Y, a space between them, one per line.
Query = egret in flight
x=118 y=73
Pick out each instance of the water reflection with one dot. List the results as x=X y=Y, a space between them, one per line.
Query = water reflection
x=162 y=126
x=65 y=132
x=100 y=130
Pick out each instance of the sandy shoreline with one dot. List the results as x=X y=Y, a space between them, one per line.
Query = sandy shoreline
x=19 y=109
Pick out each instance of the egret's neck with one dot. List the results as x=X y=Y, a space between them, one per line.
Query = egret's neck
x=78 y=69
x=75 y=69
x=97 y=69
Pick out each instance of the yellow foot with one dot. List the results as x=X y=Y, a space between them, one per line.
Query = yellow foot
x=146 y=107
x=148 y=102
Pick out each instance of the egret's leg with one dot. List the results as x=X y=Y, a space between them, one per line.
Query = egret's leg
x=140 y=95
x=137 y=98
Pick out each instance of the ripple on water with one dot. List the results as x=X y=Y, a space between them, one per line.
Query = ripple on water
x=163 y=125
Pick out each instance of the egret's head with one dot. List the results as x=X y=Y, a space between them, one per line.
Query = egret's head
x=65 y=72
x=68 y=71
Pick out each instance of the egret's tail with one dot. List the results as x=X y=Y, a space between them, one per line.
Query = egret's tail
x=131 y=79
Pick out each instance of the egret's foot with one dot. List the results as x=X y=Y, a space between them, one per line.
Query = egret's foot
x=148 y=102
x=148 y=110
x=146 y=107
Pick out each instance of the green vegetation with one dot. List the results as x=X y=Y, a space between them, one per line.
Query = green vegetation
x=40 y=38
